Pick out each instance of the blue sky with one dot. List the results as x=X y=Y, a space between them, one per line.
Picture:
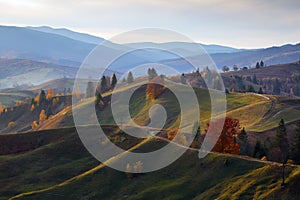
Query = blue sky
x=240 y=23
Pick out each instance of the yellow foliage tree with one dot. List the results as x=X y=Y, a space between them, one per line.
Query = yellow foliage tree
x=50 y=94
x=32 y=107
x=19 y=103
x=10 y=124
x=43 y=116
x=34 y=124
x=78 y=93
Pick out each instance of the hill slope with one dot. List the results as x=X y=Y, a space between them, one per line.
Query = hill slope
x=216 y=176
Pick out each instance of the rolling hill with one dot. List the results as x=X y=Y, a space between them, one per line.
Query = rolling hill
x=65 y=173
x=22 y=72
x=50 y=161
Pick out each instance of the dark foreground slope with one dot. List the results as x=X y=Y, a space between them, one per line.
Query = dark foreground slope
x=63 y=169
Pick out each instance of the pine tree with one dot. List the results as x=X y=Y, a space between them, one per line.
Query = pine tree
x=254 y=79
x=89 y=90
x=99 y=99
x=259 y=151
x=251 y=89
x=257 y=65
x=260 y=91
x=295 y=147
x=103 y=84
x=262 y=63
x=276 y=86
x=182 y=79
x=42 y=99
x=151 y=73
x=243 y=137
x=130 y=78
x=197 y=131
x=113 y=81
x=282 y=143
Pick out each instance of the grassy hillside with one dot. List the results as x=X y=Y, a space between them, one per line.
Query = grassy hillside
x=214 y=177
x=256 y=112
x=9 y=97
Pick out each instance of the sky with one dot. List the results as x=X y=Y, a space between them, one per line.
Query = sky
x=235 y=23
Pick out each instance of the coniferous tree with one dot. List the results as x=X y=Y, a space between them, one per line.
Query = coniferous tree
x=260 y=91
x=99 y=99
x=257 y=65
x=276 y=86
x=42 y=99
x=130 y=78
x=243 y=138
x=151 y=73
x=251 y=89
x=89 y=90
x=103 y=84
x=182 y=79
x=282 y=144
x=262 y=63
x=259 y=151
x=254 y=79
x=295 y=147
x=113 y=81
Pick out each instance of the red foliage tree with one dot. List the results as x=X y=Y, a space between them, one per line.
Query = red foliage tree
x=155 y=87
x=226 y=142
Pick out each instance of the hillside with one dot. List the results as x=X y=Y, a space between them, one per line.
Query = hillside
x=22 y=72
x=65 y=173
x=50 y=161
x=271 y=56
x=281 y=71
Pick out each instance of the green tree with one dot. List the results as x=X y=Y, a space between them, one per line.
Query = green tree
x=182 y=79
x=197 y=131
x=282 y=144
x=113 y=81
x=276 y=86
x=89 y=90
x=257 y=65
x=259 y=150
x=99 y=99
x=151 y=73
x=254 y=79
x=243 y=138
x=295 y=146
x=262 y=63
x=130 y=78
x=103 y=84
x=251 y=89
x=260 y=91
x=42 y=99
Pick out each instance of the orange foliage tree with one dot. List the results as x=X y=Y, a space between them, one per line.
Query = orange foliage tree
x=19 y=103
x=155 y=87
x=226 y=142
x=50 y=94
x=32 y=107
x=10 y=124
x=43 y=116
x=172 y=133
x=34 y=124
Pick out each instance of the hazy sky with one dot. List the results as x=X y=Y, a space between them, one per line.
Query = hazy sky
x=240 y=23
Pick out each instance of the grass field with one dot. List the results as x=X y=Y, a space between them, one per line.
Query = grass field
x=214 y=177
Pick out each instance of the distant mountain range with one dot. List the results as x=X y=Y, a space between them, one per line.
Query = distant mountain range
x=64 y=47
